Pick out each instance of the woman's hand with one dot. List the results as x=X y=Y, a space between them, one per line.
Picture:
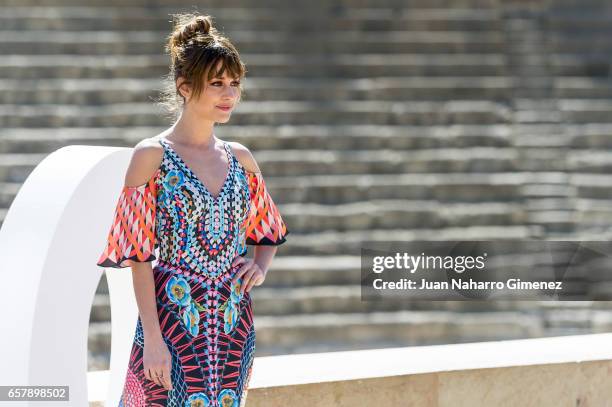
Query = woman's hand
x=253 y=274
x=157 y=362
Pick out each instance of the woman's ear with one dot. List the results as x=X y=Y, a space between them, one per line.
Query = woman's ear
x=183 y=88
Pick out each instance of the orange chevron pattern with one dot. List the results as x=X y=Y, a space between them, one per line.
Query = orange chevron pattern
x=132 y=234
x=264 y=224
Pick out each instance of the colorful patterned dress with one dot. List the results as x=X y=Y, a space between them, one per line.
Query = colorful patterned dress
x=205 y=322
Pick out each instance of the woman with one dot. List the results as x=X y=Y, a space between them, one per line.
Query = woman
x=200 y=201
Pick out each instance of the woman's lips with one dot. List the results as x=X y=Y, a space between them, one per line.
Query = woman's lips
x=225 y=109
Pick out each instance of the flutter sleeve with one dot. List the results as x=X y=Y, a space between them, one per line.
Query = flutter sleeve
x=132 y=234
x=264 y=224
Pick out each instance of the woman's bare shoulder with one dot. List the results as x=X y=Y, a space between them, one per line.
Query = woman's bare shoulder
x=244 y=156
x=146 y=159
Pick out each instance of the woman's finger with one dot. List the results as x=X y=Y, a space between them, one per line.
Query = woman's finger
x=159 y=375
x=167 y=378
x=153 y=376
x=159 y=380
x=256 y=280
x=238 y=260
x=166 y=383
x=246 y=280
x=238 y=275
x=241 y=271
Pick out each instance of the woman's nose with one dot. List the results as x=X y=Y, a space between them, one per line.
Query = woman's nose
x=231 y=91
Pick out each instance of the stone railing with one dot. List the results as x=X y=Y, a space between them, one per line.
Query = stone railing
x=555 y=371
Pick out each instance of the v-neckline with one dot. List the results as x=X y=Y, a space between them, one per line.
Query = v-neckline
x=195 y=176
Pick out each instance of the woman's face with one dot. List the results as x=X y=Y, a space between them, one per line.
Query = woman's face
x=218 y=100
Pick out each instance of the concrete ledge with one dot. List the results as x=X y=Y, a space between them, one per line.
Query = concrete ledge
x=555 y=371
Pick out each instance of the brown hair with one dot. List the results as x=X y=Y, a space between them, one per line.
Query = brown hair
x=195 y=48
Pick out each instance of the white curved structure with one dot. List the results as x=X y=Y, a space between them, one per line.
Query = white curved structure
x=52 y=236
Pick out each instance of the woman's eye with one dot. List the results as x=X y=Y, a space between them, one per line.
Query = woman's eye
x=221 y=83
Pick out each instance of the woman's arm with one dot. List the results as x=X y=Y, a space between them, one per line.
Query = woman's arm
x=144 y=290
x=252 y=272
x=145 y=161
x=263 y=257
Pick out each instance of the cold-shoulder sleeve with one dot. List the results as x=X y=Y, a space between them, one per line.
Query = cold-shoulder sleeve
x=132 y=233
x=264 y=224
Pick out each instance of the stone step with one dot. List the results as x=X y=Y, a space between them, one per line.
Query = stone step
x=97 y=361
x=410 y=327
x=543 y=159
x=543 y=190
x=100 y=307
x=586 y=110
x=549 y=204
x=15 y=168
x=311 y=271
x=333 y=242
x=528 y=140
x=564 y=221
x=340 y=65
x=594 y=213
x=8 y=192
x=575 y=322
x=589 y=135
x=3 y=212
x=589 y=161
x=578 y=5
x=592 y=186
x=588 y=64
x=577 y=37
x=413 y=214
x=583 y=88
x=570 y=44
x=382 y=161
x=267 y=113
x=53 y=42
x=131 y=90
x=586 y=21
x=258 y=138
x=79 y=18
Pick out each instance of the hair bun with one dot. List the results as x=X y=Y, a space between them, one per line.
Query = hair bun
x=200 y=24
